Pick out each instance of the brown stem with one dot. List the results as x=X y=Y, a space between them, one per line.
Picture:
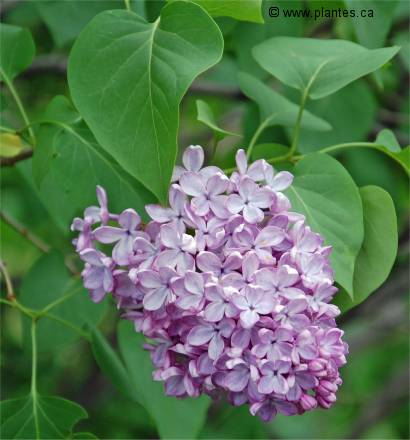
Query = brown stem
x=10 y=161
x=7 y=280
x=38 y=242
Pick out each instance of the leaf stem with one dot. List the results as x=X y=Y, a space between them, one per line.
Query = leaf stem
x=38 y=242
x=34 y=375
x=296 y=131
x=127 y=5
x=20 y=105
x=351 y=145
x=7 y=279
x=59 y=301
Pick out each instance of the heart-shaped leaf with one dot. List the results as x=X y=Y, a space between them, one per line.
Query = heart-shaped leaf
x=36 y=416
x=319 y=67
x=379 y=248
x=271 y=103
x=68 y=164
x=175 y=418
x=325 y=193
x=16 y=51
x=127 y=78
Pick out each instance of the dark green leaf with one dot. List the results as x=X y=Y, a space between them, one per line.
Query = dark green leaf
x=127 y=78
x=372 y=30
x=69 y=164
x=83 y=435
x=379 y=248
x=49 y=281
x=174 y=418
x=271 y=103
x=268 y=151
x=16 y=51
x=66 y=18
x=38 y=417
x=248 y=10
x=111 y=365
x=320 y=67
x=206 y=116
x=325 y=193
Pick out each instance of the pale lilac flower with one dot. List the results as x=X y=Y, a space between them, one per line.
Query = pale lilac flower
x=280 y=280
x=251 y=200
x=192 y=159
x=124 y=237
x=291 y=316
x=158 y=285
x=190 y=290
x=253 y=303
x=206 y=193
x=274 y=344
x=97 y=275
x=179 y=248
x=210 y=262
x=273 y=380
x=176 y=211
x=256 y=171
x=220 y=303
x=279 y=181
x=212 y=334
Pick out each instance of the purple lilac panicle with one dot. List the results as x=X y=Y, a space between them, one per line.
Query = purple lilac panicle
x=232 y=287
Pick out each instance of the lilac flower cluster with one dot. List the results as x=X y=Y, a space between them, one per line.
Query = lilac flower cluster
x=231 y=287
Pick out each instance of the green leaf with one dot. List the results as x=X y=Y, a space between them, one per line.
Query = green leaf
x=325 y=193
x=175 y=418
x=66 y=18
x=36 y=416
x=379 y=248
x=249 y=10
x=387 y=138
x=351 y=112
x=83 y=435
x=268 y=151
x=48 y=281
x=206 y=116
x=111 y=365
x=402 y=39
x=16 y=51
x=248 y=35
x=127 y=78
x=319 y=67
x=68 y=164
x=372 y=30
x=271 y=102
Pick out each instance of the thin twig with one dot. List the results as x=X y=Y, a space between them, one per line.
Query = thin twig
x=7 y=280
x=10 y=161
x=38 y=242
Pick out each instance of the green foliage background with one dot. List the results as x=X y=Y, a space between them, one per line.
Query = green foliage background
x=240 y=83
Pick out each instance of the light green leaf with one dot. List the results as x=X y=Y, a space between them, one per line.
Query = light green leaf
x=325 y=193
x=372 y=29
x=319 y=67
x=351 y=111
x=206 y=116
x=247 y=10
x=127 y=78
x=66 y=18
x=48 y=281
x=16 y=51
x=271 y=103
x=387 y=138
x=10 y=144
x=111 y=365
x=36 y=416
x=68 y=164
x=175 y=418
x=379 y=248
